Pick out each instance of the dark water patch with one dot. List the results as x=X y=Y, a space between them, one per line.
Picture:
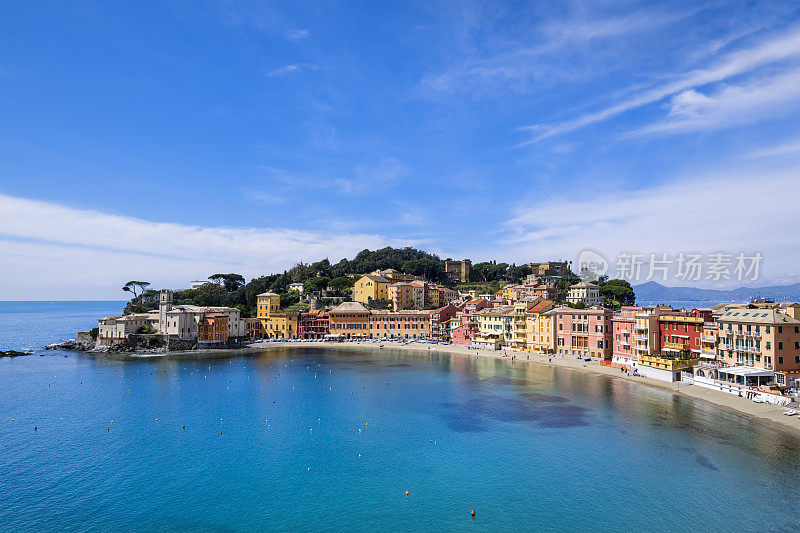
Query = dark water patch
x=705 y=462
x=479 y=414
x=399 y=364
x=543 y=398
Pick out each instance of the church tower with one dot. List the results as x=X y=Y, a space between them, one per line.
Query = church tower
x=164 y=306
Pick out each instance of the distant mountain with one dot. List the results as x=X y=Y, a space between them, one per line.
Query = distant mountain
x=652 y=291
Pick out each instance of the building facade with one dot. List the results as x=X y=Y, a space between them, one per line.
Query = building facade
x=349 y=320
x=583 y=332
x=584 y=292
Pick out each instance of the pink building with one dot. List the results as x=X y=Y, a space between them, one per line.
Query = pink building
x=463 y=334
x=583 y=332
x=622 y=325
x=438 y=317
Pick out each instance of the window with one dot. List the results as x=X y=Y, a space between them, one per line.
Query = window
x=780 y=329
x=769 y=345
x=780 y=345
x=780 y=360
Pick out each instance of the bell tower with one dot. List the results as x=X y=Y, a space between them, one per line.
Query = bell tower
x=164 y=306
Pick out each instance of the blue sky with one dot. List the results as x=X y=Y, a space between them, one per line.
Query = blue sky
x=169 y=141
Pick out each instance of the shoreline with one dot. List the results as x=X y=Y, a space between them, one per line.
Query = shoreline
x=767 y=414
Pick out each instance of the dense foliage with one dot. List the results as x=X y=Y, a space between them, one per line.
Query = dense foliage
x=332 y=280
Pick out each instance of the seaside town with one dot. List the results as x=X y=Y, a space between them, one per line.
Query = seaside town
x=750 y=349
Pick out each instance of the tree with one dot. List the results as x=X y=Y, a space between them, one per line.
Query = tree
x=341 y=284
x=132 y=286
x=231 y=282
x=617 y=292
x=315 y=285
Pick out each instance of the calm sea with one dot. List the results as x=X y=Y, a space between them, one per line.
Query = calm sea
x=326 y=440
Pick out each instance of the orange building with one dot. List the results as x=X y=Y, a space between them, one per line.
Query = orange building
x=349 y=320
x=213 y=328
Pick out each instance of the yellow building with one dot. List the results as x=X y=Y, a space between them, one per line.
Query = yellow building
x=540 y=328
x=495 y=327
x=274 y=323
x=371 y=287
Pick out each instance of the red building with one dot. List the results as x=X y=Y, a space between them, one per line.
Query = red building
x=313 y=324
x=438 y=317
x=679 y=334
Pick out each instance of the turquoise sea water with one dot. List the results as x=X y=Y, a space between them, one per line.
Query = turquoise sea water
x=327 y=440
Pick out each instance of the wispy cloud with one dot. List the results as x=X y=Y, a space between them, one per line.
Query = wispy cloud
x=382 y=174
x=297 y=35
x=791 y=147
x=542 y=56
x=113 y=247
x=729 y=105
x=777 y=49
x=291 y=69
x=727 y=210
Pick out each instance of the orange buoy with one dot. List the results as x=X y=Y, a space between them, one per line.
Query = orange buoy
x=406 y=493
x=472 y=512
x=35 y=428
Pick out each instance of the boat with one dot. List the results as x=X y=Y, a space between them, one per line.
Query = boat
x=790 y=412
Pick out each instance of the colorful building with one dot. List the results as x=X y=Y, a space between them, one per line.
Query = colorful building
x=371 y=288
x=313 y=324
x=584 y=292
x=405 y=324
x=275 y=323
x=540 y=328
x=583 y=332
x=440 y=321
x=495 y=327
x=401 y=296
x=623 y=343
x=349 y=320
x=213 y=329
x=759 y=344
x=678 y=345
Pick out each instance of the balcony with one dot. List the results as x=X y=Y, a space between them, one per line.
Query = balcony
x=642 y=338
x=666 y=363
x=684 y=345
x=708 y=338
x=706 y=354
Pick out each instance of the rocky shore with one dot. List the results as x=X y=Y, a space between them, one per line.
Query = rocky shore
x=13 y=353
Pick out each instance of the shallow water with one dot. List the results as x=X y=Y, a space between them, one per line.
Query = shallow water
x=272 y=441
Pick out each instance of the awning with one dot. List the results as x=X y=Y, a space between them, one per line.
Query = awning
x=746 y=371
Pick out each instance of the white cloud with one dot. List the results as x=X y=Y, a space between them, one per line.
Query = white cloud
x=542 y=57
x=728 y=106
x=52 y=251
x=290 y=69
x=297 y=35
x=789 y=148
x=741 y=210
x=784 y=47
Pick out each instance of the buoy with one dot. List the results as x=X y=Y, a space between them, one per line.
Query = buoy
x=35 y=428
x=184 y=427
x=406 y=493
x=472 y=512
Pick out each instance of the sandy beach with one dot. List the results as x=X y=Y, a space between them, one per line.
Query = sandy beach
x=767 y=414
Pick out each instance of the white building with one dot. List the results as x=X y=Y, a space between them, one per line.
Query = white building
x=296 y=287
x=169 y=319
x=119 y=327
x=182 y=320
x=585 y=292
x=196 y=284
